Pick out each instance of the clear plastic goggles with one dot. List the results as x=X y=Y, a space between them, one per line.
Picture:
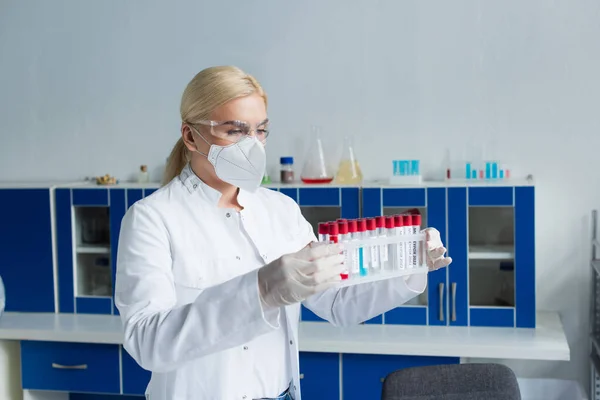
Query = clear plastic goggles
x=234 y=131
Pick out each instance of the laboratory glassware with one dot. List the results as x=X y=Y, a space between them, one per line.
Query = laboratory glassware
x=287 y=169
x=316 y=167
x=349 y=171
x=352 y=245
x=323 y=232
x=363 y=253
x=374 y=263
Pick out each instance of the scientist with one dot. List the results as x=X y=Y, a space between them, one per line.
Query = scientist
x=212 y=269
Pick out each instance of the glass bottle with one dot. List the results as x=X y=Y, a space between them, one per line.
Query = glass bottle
x=316 y=167
x=349 y=170
x=143 y=176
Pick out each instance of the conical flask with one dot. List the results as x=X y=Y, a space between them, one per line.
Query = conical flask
x=316 y=167
x=349 y=170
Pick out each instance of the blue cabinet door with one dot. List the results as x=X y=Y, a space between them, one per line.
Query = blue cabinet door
x=70 y=367
x=319 y=375
x=68 y=203
x=26 y=249
x=375 y=201
x=345 y=201
x=437 y=281
x=363 y=374
x=525 y=256
x=135 y=378
x=458 y=248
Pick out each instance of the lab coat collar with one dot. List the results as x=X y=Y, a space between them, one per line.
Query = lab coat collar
x=193 y=184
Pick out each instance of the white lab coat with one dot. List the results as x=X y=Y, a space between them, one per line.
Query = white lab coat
x=178 y=310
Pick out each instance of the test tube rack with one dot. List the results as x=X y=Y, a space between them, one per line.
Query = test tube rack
x=415 y=261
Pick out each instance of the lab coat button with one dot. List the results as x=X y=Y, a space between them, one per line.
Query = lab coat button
x=237 y=257
x=244 y=396
x=228 y=215
x=245 y=347
x=291 y=342
x=195 y=185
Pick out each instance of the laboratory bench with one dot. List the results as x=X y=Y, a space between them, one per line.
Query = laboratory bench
x=66 y=236
x=81 y=353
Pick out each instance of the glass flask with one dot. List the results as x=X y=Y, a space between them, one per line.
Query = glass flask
x=316 y=168
x=349 y=170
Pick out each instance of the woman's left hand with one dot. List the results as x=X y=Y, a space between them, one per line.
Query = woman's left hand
x=435 y=250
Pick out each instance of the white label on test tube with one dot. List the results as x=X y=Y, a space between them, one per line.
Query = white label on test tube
x=355 y=267
x=383 y=249
x=374 y=249
x=401 y=246
x=391 y=249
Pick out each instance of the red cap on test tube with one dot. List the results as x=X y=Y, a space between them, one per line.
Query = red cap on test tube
x=323 y=228
x=333 y=229
x=398 y=221
x=361 y=225
x=380 y=221
x=389 y=222
x=343 y=227
x=416 y=220
x=371 y=224
x=407 y=220
x=352 y=228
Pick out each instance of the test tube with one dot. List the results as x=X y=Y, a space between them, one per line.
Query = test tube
x=410 y=248
x=390 y=229
x=344 y=237
x=375 y=263
x=383 y=249
x=323 y=232
x=401 y=252
x=352 y=231
x=419 y=248
x=363 y=255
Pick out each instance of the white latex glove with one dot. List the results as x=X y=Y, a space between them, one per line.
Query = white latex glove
x=294 y=277
x=435 y=250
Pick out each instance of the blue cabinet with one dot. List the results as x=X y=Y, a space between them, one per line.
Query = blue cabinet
x=70 y=367
x=135 y=378
x=492 y=243
x=323 y=203
x=320 y=375
x=431 y=204
x=363 y=374
x=88 y=223
x=26 y=265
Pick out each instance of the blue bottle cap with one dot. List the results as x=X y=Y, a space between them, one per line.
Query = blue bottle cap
x=286 y=160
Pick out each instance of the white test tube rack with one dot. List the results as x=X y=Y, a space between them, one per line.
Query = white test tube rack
x=416 y=266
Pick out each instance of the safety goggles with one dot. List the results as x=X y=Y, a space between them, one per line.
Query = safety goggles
x=234 y=131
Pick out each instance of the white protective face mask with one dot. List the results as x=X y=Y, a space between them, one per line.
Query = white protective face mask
x=240 y=164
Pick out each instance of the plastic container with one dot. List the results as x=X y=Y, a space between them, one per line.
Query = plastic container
x=316 y=167
x=287 y=169
x=368 y=273
x=2 y=297
x=348 y=172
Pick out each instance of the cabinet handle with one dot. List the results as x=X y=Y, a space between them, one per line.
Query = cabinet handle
x=453 y=301
x=60 y=366
x=301 y=376
x=441 y=293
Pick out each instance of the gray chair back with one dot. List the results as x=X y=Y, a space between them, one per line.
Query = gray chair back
x=452 y=382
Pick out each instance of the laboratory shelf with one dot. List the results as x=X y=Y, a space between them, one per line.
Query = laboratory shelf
x=498 y=252
x=87 y=249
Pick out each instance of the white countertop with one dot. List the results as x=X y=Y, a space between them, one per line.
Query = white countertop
x=546 y=342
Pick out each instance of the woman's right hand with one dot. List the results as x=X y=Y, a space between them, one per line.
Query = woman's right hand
x=294 y=277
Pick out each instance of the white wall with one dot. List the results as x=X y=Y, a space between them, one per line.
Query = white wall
x=82 y=82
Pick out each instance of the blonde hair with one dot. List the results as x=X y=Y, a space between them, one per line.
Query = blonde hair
x=209 y=89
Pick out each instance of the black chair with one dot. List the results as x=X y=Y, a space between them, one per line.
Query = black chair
x=452 y=382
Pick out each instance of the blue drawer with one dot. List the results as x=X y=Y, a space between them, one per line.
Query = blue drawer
x=70 y=367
